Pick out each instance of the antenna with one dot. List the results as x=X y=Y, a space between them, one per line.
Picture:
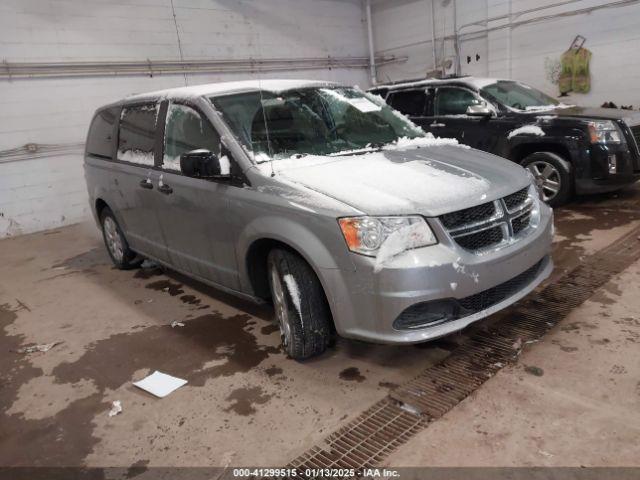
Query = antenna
x=266 y=128
x=264 y=115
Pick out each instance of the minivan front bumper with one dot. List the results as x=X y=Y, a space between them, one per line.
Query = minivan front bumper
x=365 y=303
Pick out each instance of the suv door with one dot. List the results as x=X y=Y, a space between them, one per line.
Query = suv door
x=452 y=121
x=413 y=103
x=135 y=177
x=193 y=211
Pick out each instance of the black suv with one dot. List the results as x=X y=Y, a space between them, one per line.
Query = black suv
x=567 y=148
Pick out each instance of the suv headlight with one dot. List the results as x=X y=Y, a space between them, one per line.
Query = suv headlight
x=604 y=131
x=393 y=235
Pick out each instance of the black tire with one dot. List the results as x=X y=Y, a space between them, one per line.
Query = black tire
x=123 y=258
x=557 y=170
x=309 y=320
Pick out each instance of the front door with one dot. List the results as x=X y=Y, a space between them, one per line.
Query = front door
x=194 y=212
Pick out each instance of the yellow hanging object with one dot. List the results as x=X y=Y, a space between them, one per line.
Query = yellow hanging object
x=574 y=72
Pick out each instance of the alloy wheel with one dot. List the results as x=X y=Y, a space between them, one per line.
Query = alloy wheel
x=547 y=178
x=113 y=239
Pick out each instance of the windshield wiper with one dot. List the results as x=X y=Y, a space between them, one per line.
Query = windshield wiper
x=372 y=147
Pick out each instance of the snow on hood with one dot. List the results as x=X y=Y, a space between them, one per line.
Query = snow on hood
x=429 y=181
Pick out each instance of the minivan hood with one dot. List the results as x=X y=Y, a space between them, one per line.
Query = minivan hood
x=426 y=181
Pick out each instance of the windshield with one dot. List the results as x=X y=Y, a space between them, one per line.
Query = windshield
x=312 y=121
x=519 y=96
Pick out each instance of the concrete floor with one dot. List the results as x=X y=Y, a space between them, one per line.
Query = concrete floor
x=247 y=404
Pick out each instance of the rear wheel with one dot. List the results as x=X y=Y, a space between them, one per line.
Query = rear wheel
x=553 y=176
x=121 y=255
x=300 y=305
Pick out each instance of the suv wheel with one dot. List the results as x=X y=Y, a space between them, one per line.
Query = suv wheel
x=553 y=176
x=121 y=255
x=300 y=305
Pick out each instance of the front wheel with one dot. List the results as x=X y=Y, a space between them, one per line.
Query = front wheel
x=553 y=176
x=300 y=305
x=121 y=255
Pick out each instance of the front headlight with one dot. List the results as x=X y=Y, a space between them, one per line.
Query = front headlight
x=604 y=131
x=536 y=186
x=387 y=236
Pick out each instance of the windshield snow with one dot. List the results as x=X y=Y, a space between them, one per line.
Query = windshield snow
x=519 y=96
x=313 y=121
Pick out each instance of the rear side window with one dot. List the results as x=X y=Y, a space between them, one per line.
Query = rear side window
x=186 y=130
x=101 y=132
x=409 y=102
x=137 y=132
x=454 y=101
x=381 y=92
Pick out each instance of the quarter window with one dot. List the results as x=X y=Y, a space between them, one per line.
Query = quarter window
x=137 y=134
x=100 y=133
x=454 y=101
x=409 y=102
x=186 y=130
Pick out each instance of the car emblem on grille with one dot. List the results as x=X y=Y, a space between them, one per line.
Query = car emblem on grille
x=497 y=226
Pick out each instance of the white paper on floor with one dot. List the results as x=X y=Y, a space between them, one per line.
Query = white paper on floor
x=160 y=384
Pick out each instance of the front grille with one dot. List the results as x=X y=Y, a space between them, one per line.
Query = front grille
x=457 y=219
x=515 y=200
x=520 y=223
x=493 y=296
x=482 y=239
x=635 y=131
x=493 y=223
x=429 y=314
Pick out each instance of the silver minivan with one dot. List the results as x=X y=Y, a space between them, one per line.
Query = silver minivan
x=321 y=199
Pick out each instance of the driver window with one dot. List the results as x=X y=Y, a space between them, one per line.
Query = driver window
x=186 y=129
x=454 y=101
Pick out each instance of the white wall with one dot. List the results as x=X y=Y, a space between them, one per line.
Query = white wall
x=403 y=27
x=48 y=192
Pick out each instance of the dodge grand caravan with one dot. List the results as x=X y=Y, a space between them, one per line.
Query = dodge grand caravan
x=321 y=199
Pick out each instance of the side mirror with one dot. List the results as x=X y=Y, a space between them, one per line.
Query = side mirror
x=479 y=111
x=204 y=164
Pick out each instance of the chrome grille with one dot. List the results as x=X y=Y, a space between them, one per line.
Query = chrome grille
x=488 y=225
x=468 y=215
x=635 y=131
x=515 y=200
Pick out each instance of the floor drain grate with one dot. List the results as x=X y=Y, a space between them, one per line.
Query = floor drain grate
x=367 y=440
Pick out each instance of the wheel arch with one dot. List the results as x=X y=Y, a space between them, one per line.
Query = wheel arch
x=521 y=151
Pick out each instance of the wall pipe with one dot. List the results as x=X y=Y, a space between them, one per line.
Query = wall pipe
x=372 y=55
x=433 y=35
x=586 y=10
x=13 y=70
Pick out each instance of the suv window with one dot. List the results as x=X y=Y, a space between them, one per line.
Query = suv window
x=137 y=132
x=100 y=133
x=454 y=101
x=409 y=102
x=186 y=130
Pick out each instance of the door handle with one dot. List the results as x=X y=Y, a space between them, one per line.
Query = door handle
x=146 y=184
x=166 y=189
x=437 y=125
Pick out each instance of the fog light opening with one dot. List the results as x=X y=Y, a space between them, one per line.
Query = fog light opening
x=612 y=163
x=427 y=314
